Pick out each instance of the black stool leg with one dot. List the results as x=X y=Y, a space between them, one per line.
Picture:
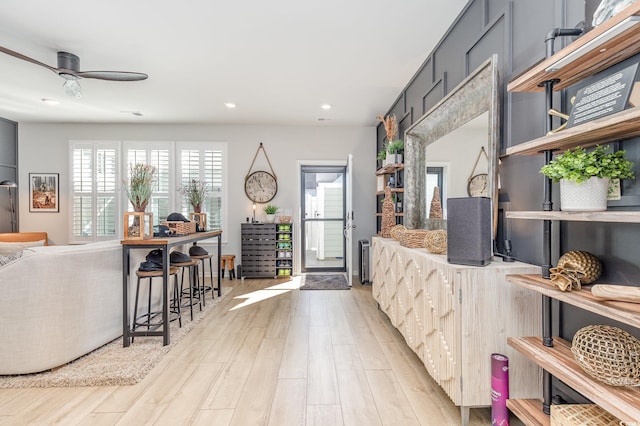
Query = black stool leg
x=210 y=276
x=135 y=309
x=232 y=273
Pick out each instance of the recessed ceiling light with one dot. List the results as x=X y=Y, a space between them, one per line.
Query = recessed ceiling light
x=325 y=106
x=50 y=101
x=323 y=119
x=230 y=105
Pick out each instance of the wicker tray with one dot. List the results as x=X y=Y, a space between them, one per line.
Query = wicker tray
x=581 y=415
x=179 y=227
x=413 y=238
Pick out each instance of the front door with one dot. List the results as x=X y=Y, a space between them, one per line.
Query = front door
x=323 y=218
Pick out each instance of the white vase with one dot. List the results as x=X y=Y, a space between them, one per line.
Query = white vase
x=587 y=196
x=394 y=158
x=270 y=218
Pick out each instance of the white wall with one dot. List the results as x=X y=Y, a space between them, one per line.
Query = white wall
x=43 y=148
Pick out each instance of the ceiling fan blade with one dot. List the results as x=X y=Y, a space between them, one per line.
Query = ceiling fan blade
x=113 y=75
x=26 y=58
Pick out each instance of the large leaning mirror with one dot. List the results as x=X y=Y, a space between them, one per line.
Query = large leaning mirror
x=454 y=141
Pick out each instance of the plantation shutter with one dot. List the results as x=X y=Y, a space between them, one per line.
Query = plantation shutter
x=204 y=162
x=157 y=155
x=95 y=204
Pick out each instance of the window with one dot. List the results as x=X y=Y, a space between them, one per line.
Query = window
x=99 y=201
x=95 y=209
x=204 y=162
x=158 y=155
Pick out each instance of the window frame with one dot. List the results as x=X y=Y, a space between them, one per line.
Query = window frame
x=122 y=154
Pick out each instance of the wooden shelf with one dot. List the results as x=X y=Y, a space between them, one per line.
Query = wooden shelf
x=621 y=401
x=606 y=216
x=392 y=190
x=395 y=214
x=622 y=125
x=599 y=58
x=529 y=411
x=625 y=312
x=390 y=168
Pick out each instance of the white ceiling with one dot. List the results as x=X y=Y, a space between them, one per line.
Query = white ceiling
x=278 y=61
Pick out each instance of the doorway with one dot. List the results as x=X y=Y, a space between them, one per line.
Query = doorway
x=323 y=218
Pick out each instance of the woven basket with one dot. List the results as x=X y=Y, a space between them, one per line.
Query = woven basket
x=581 y=415
x=180 y=227
x=397 y=231
x=608 y=354
x=436 y=241
x=413 y=238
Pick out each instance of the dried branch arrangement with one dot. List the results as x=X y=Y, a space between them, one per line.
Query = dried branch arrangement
x=390 y=126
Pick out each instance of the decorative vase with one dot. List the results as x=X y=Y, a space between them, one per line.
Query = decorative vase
x=270 y=218
x=587 y=196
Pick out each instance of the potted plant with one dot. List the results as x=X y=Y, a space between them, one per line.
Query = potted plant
x=584 y=176
x=139 y=224
x=140 y=186
x=270 y=210
x=392 y=152
x=196 y=192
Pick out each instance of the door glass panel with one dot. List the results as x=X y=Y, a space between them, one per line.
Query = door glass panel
x=323 y=218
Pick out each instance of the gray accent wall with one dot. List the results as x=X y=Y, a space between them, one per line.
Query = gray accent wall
x=8 y=170
x=516 y=32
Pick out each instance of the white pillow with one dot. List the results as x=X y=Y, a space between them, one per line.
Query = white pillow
x=9 y=248
x=9 y=258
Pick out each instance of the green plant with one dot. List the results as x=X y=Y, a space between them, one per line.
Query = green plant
x=579 y=165
x=382 y=155
x=140 y=187
x=394 y=147
x=196 y=191
x=271 y=209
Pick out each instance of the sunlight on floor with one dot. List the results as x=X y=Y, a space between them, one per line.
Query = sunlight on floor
x=266 y=293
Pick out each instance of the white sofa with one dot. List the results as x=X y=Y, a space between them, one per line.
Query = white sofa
x=59 y=303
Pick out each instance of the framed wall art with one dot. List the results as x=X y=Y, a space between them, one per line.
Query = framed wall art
x=44 y=192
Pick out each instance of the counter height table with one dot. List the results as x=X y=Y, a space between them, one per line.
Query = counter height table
x=165 y=244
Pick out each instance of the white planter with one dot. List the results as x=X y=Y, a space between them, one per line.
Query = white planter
x=394 y=159
x=270 y=218
x=588 y=196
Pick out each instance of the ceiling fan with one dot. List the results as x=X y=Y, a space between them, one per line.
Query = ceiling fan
x=69 y=69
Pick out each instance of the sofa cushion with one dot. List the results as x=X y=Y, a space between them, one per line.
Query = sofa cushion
x=10 y=248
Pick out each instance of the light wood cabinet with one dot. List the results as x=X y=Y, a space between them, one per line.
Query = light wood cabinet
x=455 y=316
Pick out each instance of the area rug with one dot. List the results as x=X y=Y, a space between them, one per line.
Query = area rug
x=113 y=364
x=324 y=282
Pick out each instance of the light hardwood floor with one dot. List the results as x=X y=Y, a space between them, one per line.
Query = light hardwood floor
x=269 y=354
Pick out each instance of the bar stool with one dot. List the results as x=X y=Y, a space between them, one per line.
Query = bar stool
x=194 y=284
x=174 y=307
x=228 y=260
x=202 y=258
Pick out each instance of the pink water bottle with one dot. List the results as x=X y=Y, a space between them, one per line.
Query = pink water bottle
x=499 y=390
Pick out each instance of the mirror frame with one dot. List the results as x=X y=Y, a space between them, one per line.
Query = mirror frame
x=476 y=94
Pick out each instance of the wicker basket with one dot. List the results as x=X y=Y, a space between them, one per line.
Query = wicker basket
x=436 y=241
x=413 y=238
x=180 y=227
x=397 y=231
x=608 y=354
x=581 y=415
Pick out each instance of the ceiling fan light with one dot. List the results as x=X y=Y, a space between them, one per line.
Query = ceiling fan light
x=72 y=88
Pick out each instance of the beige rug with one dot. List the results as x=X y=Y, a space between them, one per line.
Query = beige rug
x=112 y=364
